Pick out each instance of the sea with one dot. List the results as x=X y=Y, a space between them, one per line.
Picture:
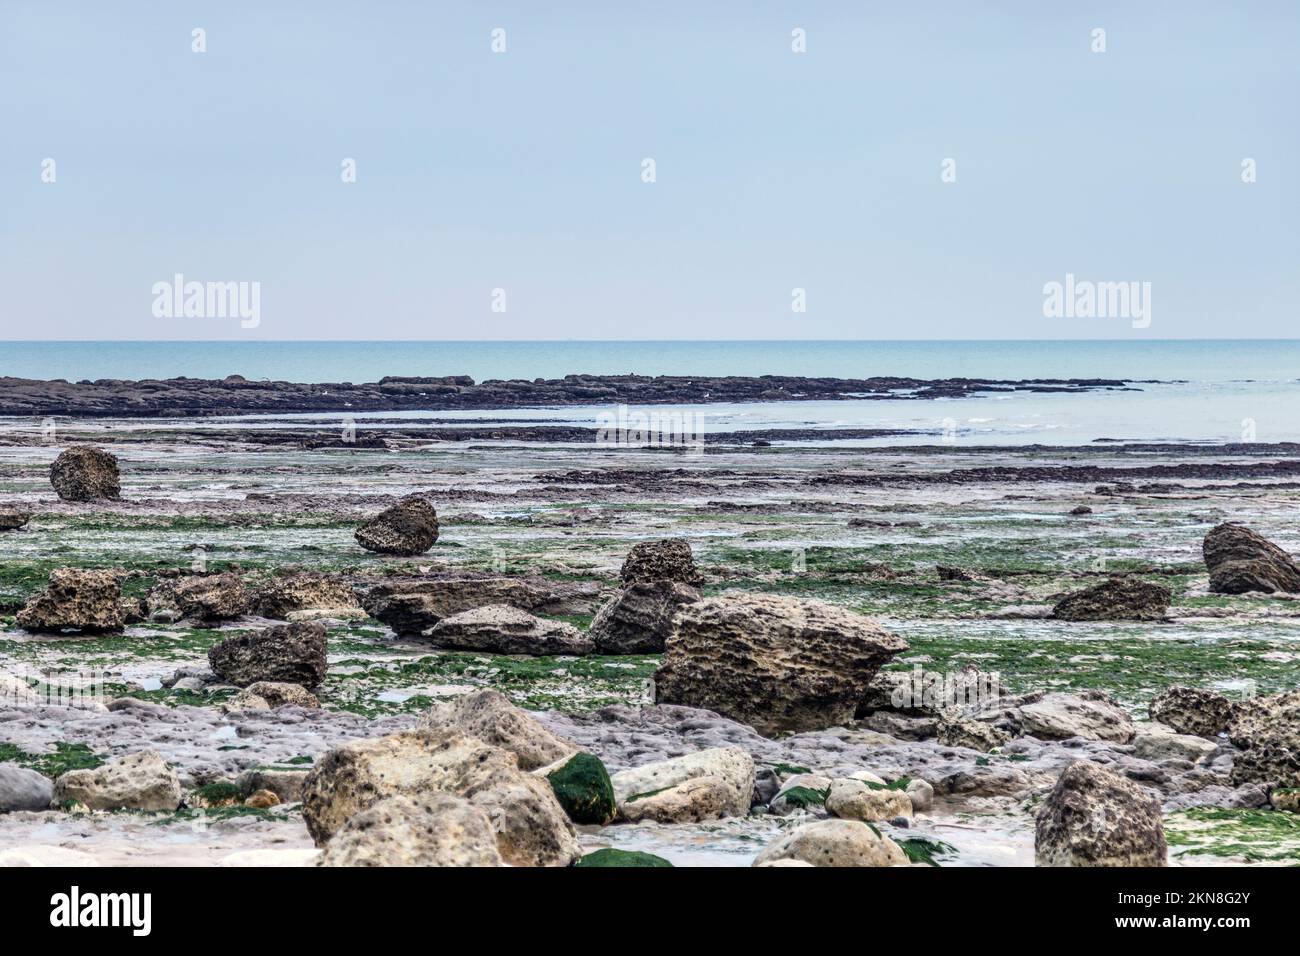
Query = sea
x=1206 y=391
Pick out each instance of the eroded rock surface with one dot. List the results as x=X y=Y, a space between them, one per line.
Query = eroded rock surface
x=76 y=599
x=408 y=528
x=502 y=629
x=86 y=473
x=287 y=653
x=1095 y=817
x=1240 y=560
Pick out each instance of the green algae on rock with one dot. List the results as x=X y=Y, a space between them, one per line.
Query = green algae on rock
x=583 y=788
x=610 y=857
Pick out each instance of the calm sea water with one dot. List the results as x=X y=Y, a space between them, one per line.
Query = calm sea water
x=1208 y=391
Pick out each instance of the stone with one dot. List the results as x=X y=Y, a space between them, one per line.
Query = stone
x=776 y=663
x=1080 y=510
x=1286 y=799
x=11 y=519
x=1090 y=715
x=1095 y=817
x=1157 y=742
x=1118 y=599
x=86 y=473
x=262 y=800
x=489 y=716
x=704 y=785
x=639 y=618
x=1257 y=717
x=502 y=629
x=292 y=593
x=835 y=843
x=921 y=793
x=408 y=528
x=75 y=599
x=1190 y=710
x=583 y=787
x=801 y=793
x=1240 y=560
x=668 y=559
x=286 y=653
x=23 y=789
x=858 y=800
x=203 y=598
x=138 y=781
x=285 y=784
x=434 y=829
x=532 y=828
x=957 y=731
x=412 y=606
x=610 y=857
x=1273 y=759
x=274 y=694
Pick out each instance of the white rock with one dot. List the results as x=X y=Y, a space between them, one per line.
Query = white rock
x=858 y=800
x=660 y=791
x=835 y=843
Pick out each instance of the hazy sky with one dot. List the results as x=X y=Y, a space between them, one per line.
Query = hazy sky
x=522 y=170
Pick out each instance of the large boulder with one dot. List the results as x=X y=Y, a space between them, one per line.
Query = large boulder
x=428 y=829
x=502 y=629
x=669 y=559
x=406 y=529
x=23 y=789
x=834 y=843
x=289 y=653
x=75 y=599
x=138 y=781
x=11 y=519
x=1090 y=715
x=638 y=619
x=1258 y=717
x=1239 y=560
x=1191 y=710
x=705 y=785
x=86 y=473
x=1095 y=817
x=203 y=598
x=489 y=716
x=776 y=663
x=411 y=606
x=582 y=785
x=1268 y=728
x=1119 y=599
x=531 y=826
x=289 y=593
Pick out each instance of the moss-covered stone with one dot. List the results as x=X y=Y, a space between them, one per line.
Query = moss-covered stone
x=584 y=789
x=612 y=857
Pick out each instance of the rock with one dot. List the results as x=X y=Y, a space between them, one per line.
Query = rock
x=583 y=787
x=291 y=593
x=700 y=786
x=835 y=843
x=1157 y=742
x=205 y=598
x=406 y=529
x=76 y=599
x=1095 y=817
x=1273 y=759
x=434 y=829
x=858 y=800
x=23 y=789
x=286 y=653
x=957 y=731
x=638 y=619
x=1119 y=599
x=1190 y=710
x=1239 y=560
x=262 y=800
x=285 y=784
x=949 y=573
x=531 y=826
x=274 y=694
x=489 y=716
x=669 y=559
x=801 y=793
x=86 y=473
x=921 y=794
x=1286 y=799
x=412 y=606
x=1081 y=510
x=11 y=519
x=611 y=857
x=1091 y=715
x=776 y=663
x=502 y=629
x=1258 y=717
x=138 y=781
x=984 y=781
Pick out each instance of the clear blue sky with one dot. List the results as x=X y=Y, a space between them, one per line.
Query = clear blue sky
x=522 y=170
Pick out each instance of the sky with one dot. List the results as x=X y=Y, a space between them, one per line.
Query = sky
x=523 y=170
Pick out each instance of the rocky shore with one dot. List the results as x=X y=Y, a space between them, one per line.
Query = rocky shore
x=179 y=397
x=483 y=653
